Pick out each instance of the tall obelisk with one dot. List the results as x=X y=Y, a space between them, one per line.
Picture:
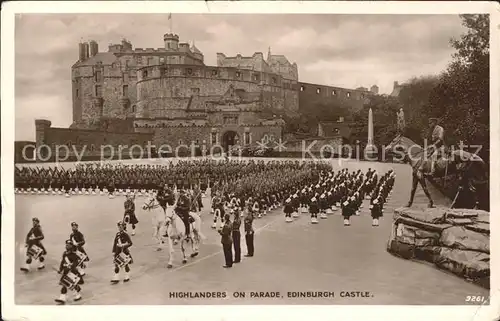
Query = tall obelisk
x=370 y=128
x=370 y=150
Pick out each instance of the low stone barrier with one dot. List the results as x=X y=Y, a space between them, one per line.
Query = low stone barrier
x=456 y=240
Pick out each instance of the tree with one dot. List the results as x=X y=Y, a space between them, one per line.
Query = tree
x=461 y=98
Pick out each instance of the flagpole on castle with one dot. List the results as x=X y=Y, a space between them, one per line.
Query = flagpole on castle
x=170 y=21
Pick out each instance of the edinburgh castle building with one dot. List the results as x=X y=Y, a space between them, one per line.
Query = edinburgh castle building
x=129 y=96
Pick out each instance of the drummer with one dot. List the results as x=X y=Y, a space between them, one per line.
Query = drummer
x=121 y=252
x=71 y=278
x=34 y=247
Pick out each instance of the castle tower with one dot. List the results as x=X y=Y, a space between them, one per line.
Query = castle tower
x=94 y=48
x=83 y=51
x=269 y=54
x=374 y=89
x=86 y=50
x=171 y=41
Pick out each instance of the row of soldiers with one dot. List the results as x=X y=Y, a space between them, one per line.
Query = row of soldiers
x=345 y=191
x=98 y=177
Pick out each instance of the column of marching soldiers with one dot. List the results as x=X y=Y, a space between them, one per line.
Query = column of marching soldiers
x=238 y=188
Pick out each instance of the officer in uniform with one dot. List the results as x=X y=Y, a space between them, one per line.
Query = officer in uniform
x=69 y=263
x=182 y=209
x=236 y=234
x=249 y=232
x=227 y=242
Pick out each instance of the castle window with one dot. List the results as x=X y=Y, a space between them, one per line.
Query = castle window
x=92 y=147
x=162 y=60
x=180 y=141
x=144 y=74
x=197 y=142
x=334 y=92
x=238 y=74
x=98 y=76
x=318 y=90
x=125 y=90
x=214 y=72
x=214 y=138
x=150 y=61
x=302 y=88
x=348 y=94
x=256 y=77
x=273 y=80
x=133 y=108
x=247 y=139
x=138 y=60
x=98 y=91
x=189 y=71
x=77 y=93
x=126 y=63
x=336 y=131
x=195 y=91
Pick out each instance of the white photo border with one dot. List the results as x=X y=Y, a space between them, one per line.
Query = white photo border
x=234 y=312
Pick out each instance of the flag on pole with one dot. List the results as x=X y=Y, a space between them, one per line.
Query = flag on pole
x=169 y=16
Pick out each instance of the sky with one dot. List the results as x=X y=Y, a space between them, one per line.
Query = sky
x=337 y=50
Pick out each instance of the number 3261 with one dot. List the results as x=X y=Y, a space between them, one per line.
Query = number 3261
x=475 y=298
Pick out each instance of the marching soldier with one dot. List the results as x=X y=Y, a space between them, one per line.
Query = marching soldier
x=314 y=210
x=70 y=277
x=288 y=210
x=78 y=241
x=376 y=210
x=34 y=247
x=121 y=253
x=348 y=209
x=227 y=242
x=218 y=209
x=129 y=215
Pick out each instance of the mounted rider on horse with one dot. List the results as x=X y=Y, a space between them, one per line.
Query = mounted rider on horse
x=436 y=149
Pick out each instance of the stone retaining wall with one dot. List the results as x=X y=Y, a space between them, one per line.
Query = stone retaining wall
x=455 y=240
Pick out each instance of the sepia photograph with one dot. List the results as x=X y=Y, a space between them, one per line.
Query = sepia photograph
x=173 y=158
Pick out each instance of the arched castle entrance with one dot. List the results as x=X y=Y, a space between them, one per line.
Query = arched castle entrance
x=229 y=138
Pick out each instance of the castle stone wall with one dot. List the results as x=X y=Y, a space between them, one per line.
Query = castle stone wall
x=310 y=95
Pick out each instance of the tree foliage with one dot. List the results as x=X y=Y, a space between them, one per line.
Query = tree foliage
x=461 y=98
x=306 y=123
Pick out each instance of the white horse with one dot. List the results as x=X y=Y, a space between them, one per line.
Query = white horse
x=176 y=231
x=159 y=219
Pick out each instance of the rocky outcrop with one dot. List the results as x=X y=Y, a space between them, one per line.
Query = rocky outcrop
x=456 y=240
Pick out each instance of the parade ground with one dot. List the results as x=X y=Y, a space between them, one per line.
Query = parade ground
x=352 y=262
